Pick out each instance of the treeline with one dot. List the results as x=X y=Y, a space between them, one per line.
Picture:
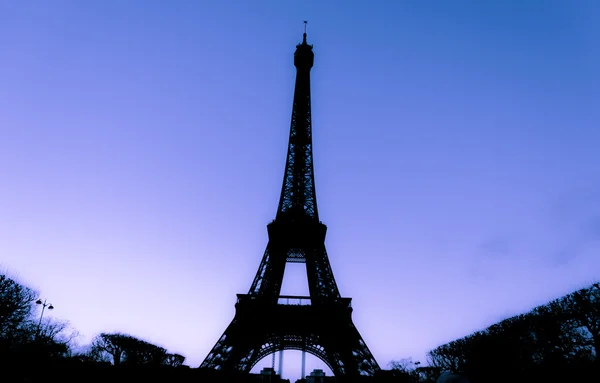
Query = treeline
x=122 y=349
x=30 y=343
x=557 y=340
x=560 y=337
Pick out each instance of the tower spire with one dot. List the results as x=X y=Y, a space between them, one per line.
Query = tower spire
x=298 y=201
x=304 y=36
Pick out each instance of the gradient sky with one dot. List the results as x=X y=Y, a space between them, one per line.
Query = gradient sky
x=455 y=143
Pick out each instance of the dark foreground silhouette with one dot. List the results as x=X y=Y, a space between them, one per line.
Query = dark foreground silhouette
x=555 y=341
x=76 y=372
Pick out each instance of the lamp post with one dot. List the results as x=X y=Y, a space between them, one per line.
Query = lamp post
x=50 y=307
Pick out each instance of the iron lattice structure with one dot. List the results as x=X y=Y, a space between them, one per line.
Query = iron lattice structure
x=266 y=322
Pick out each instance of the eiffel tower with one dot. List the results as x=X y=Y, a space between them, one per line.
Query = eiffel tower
x=266 y=322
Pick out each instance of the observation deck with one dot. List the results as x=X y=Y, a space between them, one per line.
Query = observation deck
x=297 y=300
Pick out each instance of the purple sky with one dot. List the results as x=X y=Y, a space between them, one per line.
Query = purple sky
x=455 y=142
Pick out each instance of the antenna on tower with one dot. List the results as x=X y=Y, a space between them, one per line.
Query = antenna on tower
x=304 y=36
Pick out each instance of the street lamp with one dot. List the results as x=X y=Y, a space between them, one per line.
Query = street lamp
x=50 y=307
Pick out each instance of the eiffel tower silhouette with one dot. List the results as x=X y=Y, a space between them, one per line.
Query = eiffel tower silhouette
x=320 y=324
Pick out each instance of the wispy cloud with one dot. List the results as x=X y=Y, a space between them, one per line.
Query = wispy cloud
x=576 y=217
x=499 y=246
x=573 y=223
x=591 y=228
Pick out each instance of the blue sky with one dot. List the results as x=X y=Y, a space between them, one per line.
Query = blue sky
x=455 y=144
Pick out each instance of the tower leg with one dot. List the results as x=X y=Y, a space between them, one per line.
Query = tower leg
x=261 y=328
x=281 y=364
x=303 y=364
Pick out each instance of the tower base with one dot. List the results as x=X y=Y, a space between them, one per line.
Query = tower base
x=323 y=329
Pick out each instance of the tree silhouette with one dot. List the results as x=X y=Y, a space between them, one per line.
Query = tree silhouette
x=138 y=352
x=584 y=306
x=15 y=306
x=405 y=370
x=111 y=344
x=560 y=338
x=174 y=360
x=33 y=348
x=59 y=332
x=129 y=350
